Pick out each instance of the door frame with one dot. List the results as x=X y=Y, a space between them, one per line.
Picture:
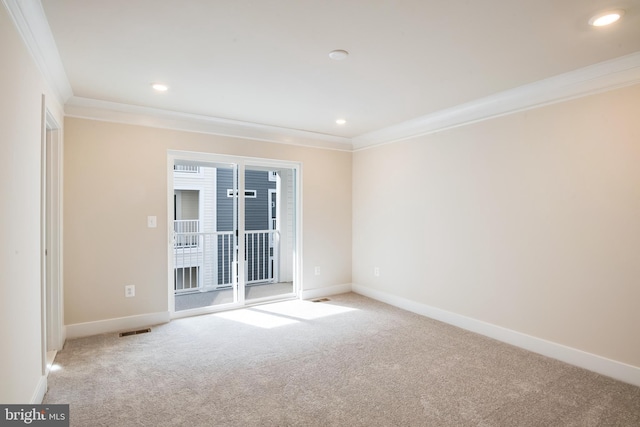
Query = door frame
x=211 y=159
x=273 y=196
x=51 y=284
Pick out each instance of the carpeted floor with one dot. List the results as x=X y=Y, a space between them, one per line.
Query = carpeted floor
x=350 y=361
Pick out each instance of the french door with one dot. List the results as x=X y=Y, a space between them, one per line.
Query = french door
x=234 y=231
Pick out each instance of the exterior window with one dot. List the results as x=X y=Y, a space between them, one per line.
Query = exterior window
x=186 y=278
x=186 y=168
x=250 y=194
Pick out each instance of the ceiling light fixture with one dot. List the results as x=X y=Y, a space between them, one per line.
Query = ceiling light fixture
x=160 y=87
x=338 y=54
x=606 y=18
x=341 y=121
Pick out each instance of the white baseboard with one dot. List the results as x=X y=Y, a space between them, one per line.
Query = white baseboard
x=78 y=330
x=326 y=291
x=39 y=392
x=63 y=337
x=611 y=368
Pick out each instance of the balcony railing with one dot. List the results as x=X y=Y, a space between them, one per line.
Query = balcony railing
x=204 y=261
x=186 y=232
x=262 y=253
x=186 y=168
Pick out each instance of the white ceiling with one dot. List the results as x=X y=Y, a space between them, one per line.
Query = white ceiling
x=266 y=61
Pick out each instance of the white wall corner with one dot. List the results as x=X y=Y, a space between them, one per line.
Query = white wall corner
x=325 y=291
x=119 y=324
x=40 y=391
x=592 y=362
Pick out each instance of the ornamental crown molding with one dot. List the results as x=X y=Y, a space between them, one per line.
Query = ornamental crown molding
x=599 y=77
x=153 y=117
x=31 y=22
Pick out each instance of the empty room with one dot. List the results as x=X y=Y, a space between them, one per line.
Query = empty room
x=320 y=213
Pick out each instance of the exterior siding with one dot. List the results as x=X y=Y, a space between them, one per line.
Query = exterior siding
x=257 y=217
x=287 y=224
x=224 y=206
x=224 y=222
x=256 y=209
x=196 y=188
x=257 y=214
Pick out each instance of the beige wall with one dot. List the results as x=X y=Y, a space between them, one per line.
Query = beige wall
x=529 y=221
x=20 y=150
x=115 y=176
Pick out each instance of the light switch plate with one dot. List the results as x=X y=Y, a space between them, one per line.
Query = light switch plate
x=152 y=221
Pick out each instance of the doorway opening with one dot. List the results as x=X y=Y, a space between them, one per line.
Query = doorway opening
x=228 y=251
x=51 y=240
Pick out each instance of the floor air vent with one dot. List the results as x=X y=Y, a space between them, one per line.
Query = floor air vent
x=140 y=331
x=321 y=300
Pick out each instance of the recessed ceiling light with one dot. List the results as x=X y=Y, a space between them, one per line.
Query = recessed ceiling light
x=338 y=55
x=606 y=18
x=341 y=121
x=160 y=87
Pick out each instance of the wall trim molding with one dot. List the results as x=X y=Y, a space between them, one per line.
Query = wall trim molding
x=325 y=291
x=94 y=109
x=31 y=22
x=592 y=362
x=590 y=80
x=32 y=25
x=596 y=78
x=40 y=391
x=78 y=330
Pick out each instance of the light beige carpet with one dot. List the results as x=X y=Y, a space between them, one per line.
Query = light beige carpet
x=350 y=361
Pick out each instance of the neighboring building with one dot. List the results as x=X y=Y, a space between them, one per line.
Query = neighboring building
x=204 y=229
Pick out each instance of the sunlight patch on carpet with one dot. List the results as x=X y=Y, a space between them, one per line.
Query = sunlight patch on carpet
x=283 y=313
x=304 y=310
x=255 y=318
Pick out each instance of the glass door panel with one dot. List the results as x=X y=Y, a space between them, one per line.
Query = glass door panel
x=204 y=235
x=269 y=232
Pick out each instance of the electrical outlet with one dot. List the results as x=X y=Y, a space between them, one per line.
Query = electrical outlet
x=130 y=291
x=317 y=271
x=376 y=271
